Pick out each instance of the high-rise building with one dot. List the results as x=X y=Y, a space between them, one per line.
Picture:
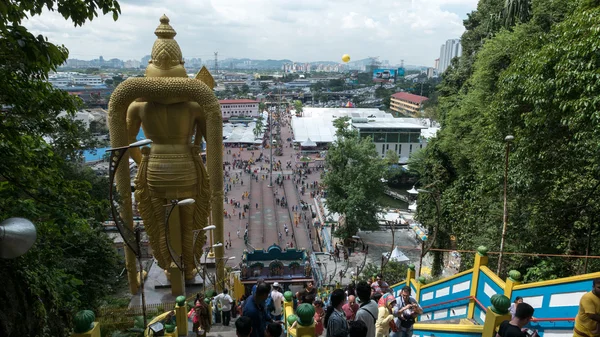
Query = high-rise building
x=451 y=49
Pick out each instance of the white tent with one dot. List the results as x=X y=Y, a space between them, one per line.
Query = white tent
x=308 y=143
x=397 y=256
x=412 y=191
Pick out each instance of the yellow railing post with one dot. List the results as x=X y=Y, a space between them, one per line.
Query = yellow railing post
x=514 y=278
x=181 y=316
x=481 y=259
x=86 y=324
x=410 y=274
x=495 y=314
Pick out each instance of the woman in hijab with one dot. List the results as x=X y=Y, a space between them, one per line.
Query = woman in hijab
x=385 y=319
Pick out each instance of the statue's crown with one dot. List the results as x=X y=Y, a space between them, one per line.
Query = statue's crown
x=166 y=53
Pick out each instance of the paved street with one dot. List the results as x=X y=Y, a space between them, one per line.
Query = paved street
x=266 y=219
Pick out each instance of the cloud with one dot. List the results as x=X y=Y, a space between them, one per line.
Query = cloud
x=308 y=30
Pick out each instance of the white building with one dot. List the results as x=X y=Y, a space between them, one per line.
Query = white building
x=83 y=116
x=239 y=108
x=60 y=81
x=451 y=49
x=87 y=80
x=405 y=136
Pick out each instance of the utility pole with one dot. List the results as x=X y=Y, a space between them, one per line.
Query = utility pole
x=508 y=140
x=216 y=62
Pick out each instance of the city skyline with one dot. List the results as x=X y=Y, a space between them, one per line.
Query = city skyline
x=310 y=31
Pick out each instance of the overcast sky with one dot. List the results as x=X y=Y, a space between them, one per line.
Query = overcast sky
x=299 y=30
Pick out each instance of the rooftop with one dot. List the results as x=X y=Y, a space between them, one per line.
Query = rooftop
x=317 y=123
x=405 y=96
x=237 y=101
x=389 y=124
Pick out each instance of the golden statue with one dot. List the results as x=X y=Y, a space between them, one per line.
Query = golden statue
x=176 y=113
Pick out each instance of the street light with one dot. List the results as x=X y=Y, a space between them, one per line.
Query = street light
x=437 y=220
x=129 y=237
x=210 y=228
x=508 y=139
x=178 y=262
x=205 y=256
x=174 y=203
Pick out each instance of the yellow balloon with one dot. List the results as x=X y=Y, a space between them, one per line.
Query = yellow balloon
x=346 y=58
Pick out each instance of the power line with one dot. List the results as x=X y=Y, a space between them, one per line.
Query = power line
x=492 y=253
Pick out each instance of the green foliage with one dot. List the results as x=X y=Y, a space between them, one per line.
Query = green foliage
x=537 y=82
x=394 y=272
x=391 y=157
x=73 y=264
x=298 y=107
x=353 y=180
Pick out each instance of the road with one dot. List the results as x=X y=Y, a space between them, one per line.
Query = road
x=269 y=219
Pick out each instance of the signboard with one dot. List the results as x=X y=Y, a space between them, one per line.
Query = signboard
x=400 y=72
x=384 y=75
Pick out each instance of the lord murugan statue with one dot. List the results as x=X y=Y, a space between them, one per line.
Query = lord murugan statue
x=176 y=113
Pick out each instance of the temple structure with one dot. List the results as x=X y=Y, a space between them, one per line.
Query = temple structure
x=289 y=267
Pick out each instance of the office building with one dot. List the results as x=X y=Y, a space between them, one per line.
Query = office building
x=449 y=50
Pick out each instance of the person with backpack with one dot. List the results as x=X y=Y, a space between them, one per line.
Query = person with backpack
x=368 y=310
x=335 y=319
x=275 y=302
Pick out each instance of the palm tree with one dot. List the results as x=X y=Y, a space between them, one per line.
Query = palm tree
x=258 y=127
x=516 y=11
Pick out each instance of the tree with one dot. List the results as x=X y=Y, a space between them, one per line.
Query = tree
x=516 y=11
x=245 y=88
x=537 y=83
x=264 y=86
x=258 y=127
x=73 y=264
x=393 y=273
x=298 y=107
x=353 y=180
x=391 y=157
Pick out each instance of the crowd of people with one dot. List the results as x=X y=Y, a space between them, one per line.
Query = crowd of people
x=361 y=310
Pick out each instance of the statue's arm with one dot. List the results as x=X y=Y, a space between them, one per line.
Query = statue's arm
x=134 y=122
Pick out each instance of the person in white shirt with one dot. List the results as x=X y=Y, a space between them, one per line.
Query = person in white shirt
x=225 y=301
x=277 y=298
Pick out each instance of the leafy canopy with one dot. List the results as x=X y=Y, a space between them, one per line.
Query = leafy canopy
x=536 y=81
x=73 y=264
x=353 y=180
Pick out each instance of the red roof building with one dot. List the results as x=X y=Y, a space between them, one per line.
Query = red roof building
x=239 y=108
x=237 y=101
x=407 y=103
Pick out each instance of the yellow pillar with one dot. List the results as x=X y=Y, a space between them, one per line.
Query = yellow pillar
x=305 y=331
x=514 y=278
x=481 y=259
x=181 y=316
x=492 y=320
x=410 y=274
x=214 y=158
x=177 y=278
x=420 y=283
x=94 y=332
